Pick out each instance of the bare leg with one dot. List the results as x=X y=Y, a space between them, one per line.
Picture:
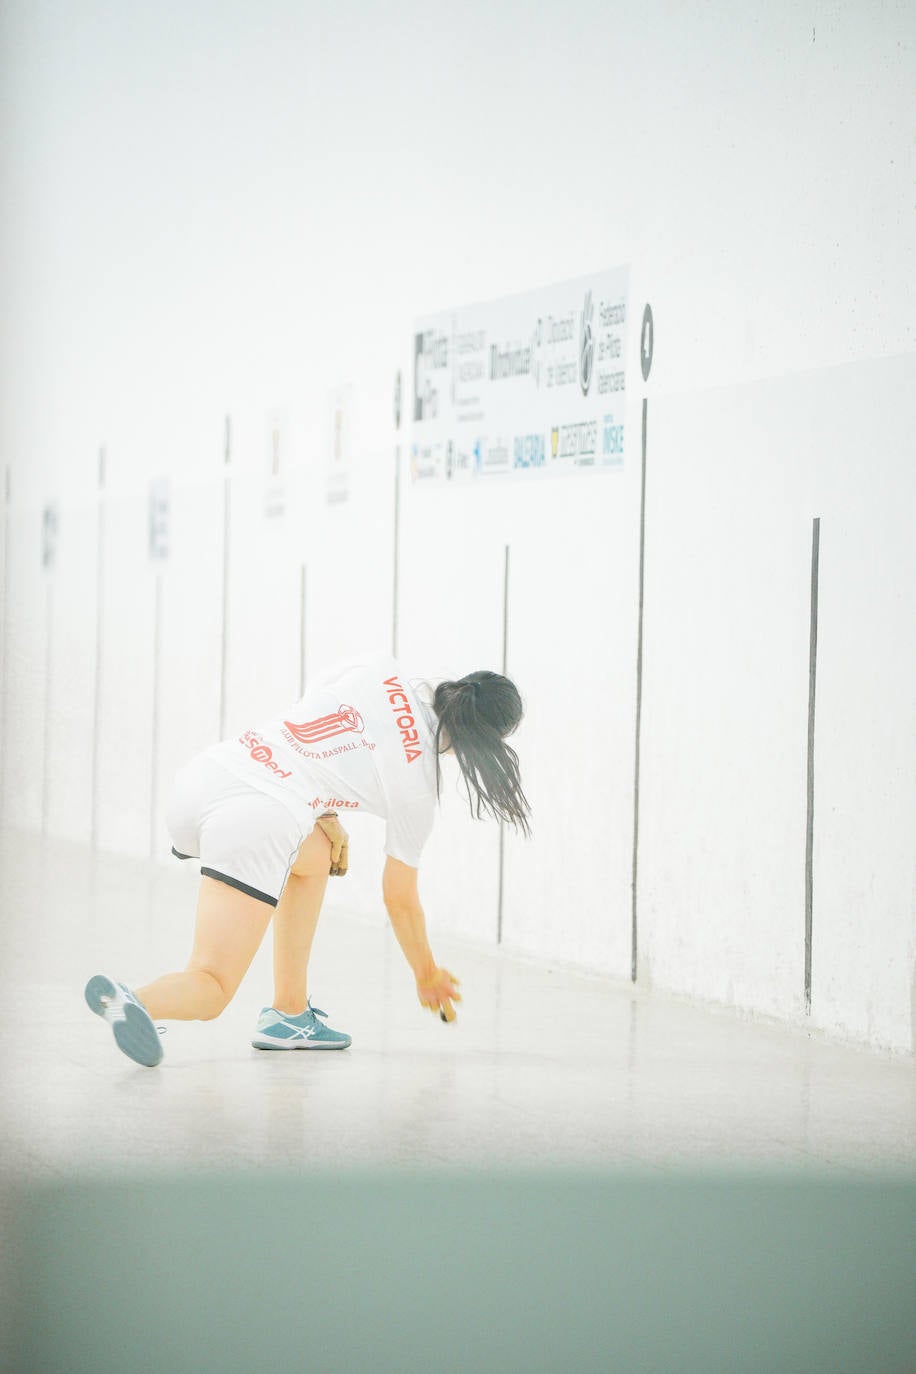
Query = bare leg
x=229 y=927
x=295 y=921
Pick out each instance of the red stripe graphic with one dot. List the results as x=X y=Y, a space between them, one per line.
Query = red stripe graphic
x=344 y=721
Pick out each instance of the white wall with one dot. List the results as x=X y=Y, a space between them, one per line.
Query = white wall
x=221 y=210
x=726 y=696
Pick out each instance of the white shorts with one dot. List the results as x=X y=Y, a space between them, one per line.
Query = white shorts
x=241 y=836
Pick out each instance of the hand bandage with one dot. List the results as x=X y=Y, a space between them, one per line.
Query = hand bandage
x=331 y=826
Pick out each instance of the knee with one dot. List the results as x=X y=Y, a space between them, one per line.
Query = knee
x=215 y=995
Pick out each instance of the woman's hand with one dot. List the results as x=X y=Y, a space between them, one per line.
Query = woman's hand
x=437 y=990
x=340 y=842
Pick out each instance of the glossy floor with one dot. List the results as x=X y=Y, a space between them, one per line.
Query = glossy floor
x=545 y=1066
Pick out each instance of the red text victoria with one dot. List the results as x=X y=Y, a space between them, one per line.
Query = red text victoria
x=400 y=704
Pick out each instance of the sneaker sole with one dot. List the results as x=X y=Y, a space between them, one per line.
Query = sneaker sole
x=135 y=1036
x=266 y=1042
x=97 y=988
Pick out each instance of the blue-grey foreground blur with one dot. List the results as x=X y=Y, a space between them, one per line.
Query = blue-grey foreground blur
x=463 y=1272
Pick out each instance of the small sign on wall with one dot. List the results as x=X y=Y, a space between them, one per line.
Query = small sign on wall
x=647 y=344
x=276 y=462
x=340 y=414
x=50 y=529
x=159 y=517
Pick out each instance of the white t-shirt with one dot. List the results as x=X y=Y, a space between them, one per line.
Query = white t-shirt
x=360 y=739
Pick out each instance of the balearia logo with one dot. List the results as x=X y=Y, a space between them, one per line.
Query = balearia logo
x=529 y=451
x=400 y=704
x=586 y=346
x=345 y=720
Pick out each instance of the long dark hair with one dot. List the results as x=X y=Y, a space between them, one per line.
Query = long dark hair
x=477 y=713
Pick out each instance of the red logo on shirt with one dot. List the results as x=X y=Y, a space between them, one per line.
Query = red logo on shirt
x=400 y=704
x=262 y=753
x=344 y=721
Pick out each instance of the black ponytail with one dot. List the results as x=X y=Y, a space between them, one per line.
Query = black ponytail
x=477 y=713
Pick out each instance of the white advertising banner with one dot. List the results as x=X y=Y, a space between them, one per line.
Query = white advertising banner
x=528 y=386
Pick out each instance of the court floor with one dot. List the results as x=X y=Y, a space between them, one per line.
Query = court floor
x=545 y=1066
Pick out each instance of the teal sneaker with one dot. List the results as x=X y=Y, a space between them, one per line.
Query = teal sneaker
x=133 y=1028
x=277 y=1031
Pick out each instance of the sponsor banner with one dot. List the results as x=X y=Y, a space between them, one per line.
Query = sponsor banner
x=529 y=386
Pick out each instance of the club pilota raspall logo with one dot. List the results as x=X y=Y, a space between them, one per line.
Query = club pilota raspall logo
x=586 y=346
x=346 y=720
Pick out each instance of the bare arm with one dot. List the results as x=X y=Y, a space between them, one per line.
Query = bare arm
x=402 y=902
x=436 y=988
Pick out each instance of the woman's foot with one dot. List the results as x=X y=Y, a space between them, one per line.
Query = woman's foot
x=133 y=1028
x=277 y=1030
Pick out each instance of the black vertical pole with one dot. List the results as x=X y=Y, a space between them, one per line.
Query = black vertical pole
x=634 y=939
x=809 y=829
x=397 y=550
x=505 y=670
x=303 y=589
x=49 y=563
x=227 y=454
x=99 y=611
x=159 y=549
x=646 y=353
x=157 y=675
x=49 y=665
x=4 y=682
x=395 y=591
